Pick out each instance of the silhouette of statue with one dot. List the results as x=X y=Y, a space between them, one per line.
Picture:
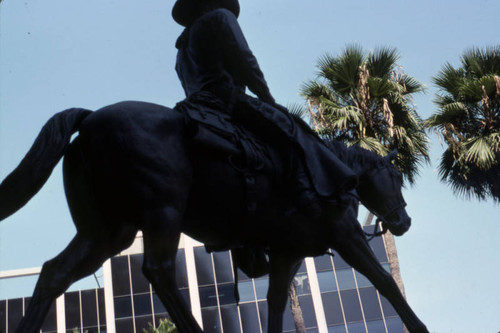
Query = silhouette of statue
x=141 y=166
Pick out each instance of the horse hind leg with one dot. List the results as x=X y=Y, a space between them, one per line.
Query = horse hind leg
x=161 y=234
x=356 y=251
x=83 y=256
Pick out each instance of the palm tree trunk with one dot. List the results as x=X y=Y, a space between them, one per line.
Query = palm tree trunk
x=298 y=318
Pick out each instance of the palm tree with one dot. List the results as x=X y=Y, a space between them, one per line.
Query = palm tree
x=365 y=99
x=468 y=120
x=166 y=326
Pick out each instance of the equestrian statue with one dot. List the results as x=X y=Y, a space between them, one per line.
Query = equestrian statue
x=230 y=170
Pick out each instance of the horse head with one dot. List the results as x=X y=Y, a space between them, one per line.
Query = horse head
x=379 y=190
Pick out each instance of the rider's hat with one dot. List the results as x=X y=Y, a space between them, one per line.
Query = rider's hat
x=185 y=11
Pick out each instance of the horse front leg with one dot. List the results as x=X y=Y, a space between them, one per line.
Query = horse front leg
x=282 y=270
x=356 y=251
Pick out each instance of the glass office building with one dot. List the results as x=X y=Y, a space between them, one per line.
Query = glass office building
x=332 y=296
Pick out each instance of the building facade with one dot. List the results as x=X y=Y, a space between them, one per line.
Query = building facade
x=333 y=297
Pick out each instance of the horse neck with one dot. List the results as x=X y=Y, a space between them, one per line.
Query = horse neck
x=358 y=159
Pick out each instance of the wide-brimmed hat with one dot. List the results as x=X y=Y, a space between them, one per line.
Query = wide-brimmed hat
x=185 y=11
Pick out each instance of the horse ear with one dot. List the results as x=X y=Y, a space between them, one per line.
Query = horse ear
x=392 y=155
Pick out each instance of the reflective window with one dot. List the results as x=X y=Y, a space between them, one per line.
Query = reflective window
x=3 y=316
x=387 y=307
x=142 y=304
x=204 y=269
x=326 y=281
x=249 y=318
x=230 y=321
x=288 y=322
x=222 y=263
x=124 y=325
x=226 y=293
x=302 y=284
x=356 y=328
x=302 y=268
x=180 y=269
x=89 y=308
x=323 y=263
x=306 y=304
x=352 y=308
x=394 y=325
x=333 y=311
x=370 y=302
x=208 y=296
x=261 y=286
x=139 y=282
x=211 y=320
x=142 y=323
x=339 y=263
x=362 y=280
x=158 y=305
x=336 y=329
x=185 y=296
x=121 y=282
x=377 y=245
x=345 y=279
x=72 y=308
x=263 y=315
x=376 y=326
x=123 y=307
x=102 y=307
x=15 y=312
x=245 y=289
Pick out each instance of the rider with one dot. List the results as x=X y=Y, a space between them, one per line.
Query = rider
x=215 y=65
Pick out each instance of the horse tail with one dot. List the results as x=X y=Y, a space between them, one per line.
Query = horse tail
x=35 y=168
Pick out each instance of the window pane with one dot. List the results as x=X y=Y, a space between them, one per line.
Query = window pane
x=326 y=281
x=261 y=286
x=387 y=307
x=263 y=313
x=89 y=308
x=356 y=328
x=377 y=245
x=339 y=263
x=204 y=269
x=15 y=312
x=123 y=307
x=139 y=282
x=249 y=318
x=158 y=305
x=226 y=293
x=102 y=307
x=3 y=316
x=230 y=320
x=345 y=279
x=142 y=304
x=352 y=308
x=245 y=289
x=211 y=321
x=142 y=323
x=121 y=282
x=376 y=326
x=323 y=263
x=333 y=311
x=180 y=269
x=208 y=297
x=394 y=325
x=185 y=297
x=124 y=325
x=302 y=284
x=288 y=323
x=72 y=306
x=370 y=302
x=336 y=329
x=362 y=280
x=306 y=304
x=223 y=270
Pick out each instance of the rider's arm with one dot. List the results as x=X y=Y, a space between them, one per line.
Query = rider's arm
x=240 y=59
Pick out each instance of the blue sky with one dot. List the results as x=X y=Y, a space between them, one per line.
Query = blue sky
x=56 y=54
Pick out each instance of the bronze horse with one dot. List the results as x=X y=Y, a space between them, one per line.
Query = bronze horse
x=132 y=167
